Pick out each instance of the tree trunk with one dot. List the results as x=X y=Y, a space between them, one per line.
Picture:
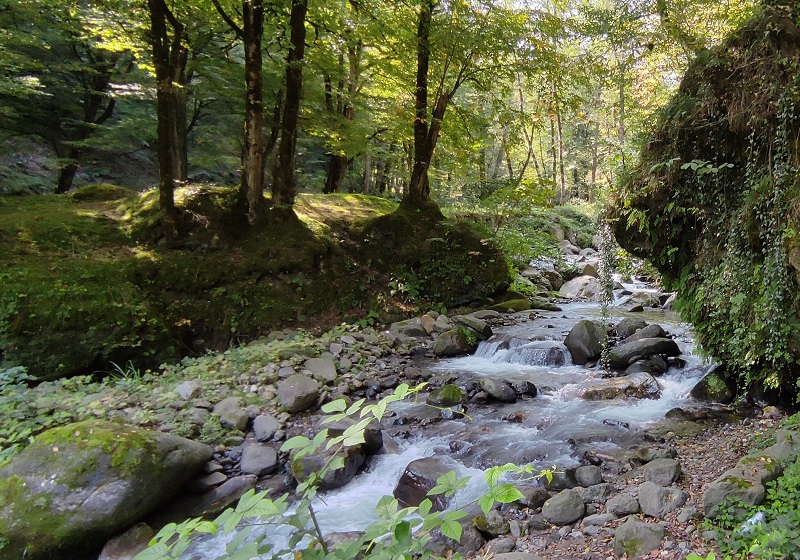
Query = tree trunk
x=170 y=55
x=337 y=168
x=252 y=187
x=367 y=179
x=419 y=188
x=284 y=189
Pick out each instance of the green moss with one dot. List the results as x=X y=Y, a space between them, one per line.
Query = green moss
x=513 y=304
x=101 y=192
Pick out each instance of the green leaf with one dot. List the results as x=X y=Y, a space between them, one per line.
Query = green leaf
x=452 y=530
x=425 y=507
x=486 y=502
x=320 y=437
x=402 y=533
x=295 y=442
x=506 y=493
x=355 y=406
x=339 y=405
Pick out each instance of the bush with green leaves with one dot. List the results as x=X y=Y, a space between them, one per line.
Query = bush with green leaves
x=770 y=531
x=399 y=532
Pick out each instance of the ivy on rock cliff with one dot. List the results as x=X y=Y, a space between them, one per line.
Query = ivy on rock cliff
x=714 y=201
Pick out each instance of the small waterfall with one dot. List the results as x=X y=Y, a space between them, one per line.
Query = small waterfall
x=515 y=350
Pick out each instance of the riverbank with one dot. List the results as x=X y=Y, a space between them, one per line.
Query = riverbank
x=247 y=401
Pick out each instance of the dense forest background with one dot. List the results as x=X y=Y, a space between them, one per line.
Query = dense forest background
x=543 y=101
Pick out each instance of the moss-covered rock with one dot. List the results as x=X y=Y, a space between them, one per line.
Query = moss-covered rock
x=447 y=395
x=714 y=202
x=78 y=485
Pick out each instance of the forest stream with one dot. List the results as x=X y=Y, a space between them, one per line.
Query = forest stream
x=554 y=428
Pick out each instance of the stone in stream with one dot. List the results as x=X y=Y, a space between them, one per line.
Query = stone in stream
x=583 y=286
x=447 y=395
x=563 y=508
x=657 y=501
x=480 y=327
x=635 y=539
x=410 y=327
x=639 y=385
x=91 y=480
x=653 y=330
x=298 y=392
x=585 y=341
x=419 y=477
x=623 y=355
x=492 y=523
x=628 y=326
x=498 y=390
x=454 y=342
x=353 y=458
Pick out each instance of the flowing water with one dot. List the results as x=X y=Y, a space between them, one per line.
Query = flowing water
x=556 y=427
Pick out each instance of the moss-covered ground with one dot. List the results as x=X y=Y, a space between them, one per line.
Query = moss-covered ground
x=89 y=279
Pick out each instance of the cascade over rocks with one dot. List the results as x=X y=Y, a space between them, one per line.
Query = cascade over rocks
x=80 y=484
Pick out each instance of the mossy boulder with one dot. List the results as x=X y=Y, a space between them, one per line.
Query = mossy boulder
x=713 y=388
x=512 y=305
x=78 y=485
x=447 y=395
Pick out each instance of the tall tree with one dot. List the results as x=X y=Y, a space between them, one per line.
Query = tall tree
x=251 y=34
x=56 y=76
x=284 y=182
x=170 y=54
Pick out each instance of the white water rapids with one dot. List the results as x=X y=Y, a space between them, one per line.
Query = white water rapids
x=554 y=428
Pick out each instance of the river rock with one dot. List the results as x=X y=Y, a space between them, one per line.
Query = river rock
x=589 y=268
x=498 y=390
x=492 y=523
x=628 y=326
x=447 y=395
x=623 y=355
x=353 y=457
x=662 y=471
x=637 y=385
x=259 y=459
x=585 y=341
x=657 y=501
x=127 y=545
x=524 y=388
x=622 y=504
x=453 y=343
x=634 y=539
x=373 y=436
x=745 y=482
x=653 y=330
x=588 y=475
x=410 y=327
x=713 y=388
x=322 y=369
x=581 y=287
x=595 y=494
x=480 y=327
x=502 y=545
x=231 y=414
x=91 y=480
x=419 y=477
x=298 y=393
x=265 y=426
x=533 y=496
x=565 y=507
x=512 y=306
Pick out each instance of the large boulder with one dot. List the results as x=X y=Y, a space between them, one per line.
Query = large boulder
x=419 y=477
x=480 y=327
x=585 y=341
x=454 y=342
x=499 y=390
x=625 y=354
x=657 y=501
x=79 y=485
x=713 y=388
x=353 y=458
x=581 y=287
x=628 y=326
